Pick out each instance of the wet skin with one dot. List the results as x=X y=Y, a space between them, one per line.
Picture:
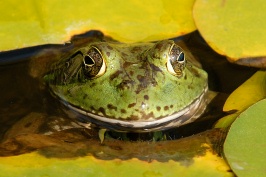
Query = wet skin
x=131 y=87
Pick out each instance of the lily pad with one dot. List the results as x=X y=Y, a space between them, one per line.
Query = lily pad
x=90 y=166
x=253 y=90
x=234 y=29
x=245 y=144
x=70 y=153
x=40 y=22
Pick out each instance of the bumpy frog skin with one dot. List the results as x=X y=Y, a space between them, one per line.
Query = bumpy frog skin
x=131 y=87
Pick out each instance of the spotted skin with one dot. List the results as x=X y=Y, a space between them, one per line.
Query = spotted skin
x=136 y=91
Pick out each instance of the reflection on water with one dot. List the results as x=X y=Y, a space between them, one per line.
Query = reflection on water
x=19 y=94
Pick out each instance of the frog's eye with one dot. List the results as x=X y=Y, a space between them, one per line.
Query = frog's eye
x=94 y=64
x=176 y=61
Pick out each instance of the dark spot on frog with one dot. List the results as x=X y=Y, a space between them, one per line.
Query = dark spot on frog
x=147 y=116
x=96 y=111
x=166 y=108
x=194 y=71
x=108 y=54
x=155 y=68
x=144 y=82
x=136 y=49
x=158 y=108
x=143 y=116
x=131 y=105
x=158 y=46
x=85 y=96
x=93 y=84
x=124 y=54
x=185 y=77
x=123 y=111
x=127 y=64
x=171 y=106
x=131 y=73
x=110 y=106
x=146 y=97
x=133 y=117
x=102 y=110
x=116 y=74
x=109 y=47
x=126 y=84
x=190 y=87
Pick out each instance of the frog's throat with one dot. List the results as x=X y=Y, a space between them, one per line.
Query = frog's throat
x=184 y=116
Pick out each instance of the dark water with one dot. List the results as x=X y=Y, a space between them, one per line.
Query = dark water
x=18 y=92
x=22 y=94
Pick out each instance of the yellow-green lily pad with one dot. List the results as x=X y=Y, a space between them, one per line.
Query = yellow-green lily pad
x=245 y=144
x=71 y=153
x=234 y=29
x=29 y=23
x=35 y=165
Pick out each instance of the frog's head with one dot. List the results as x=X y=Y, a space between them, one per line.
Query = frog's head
x=135 y=87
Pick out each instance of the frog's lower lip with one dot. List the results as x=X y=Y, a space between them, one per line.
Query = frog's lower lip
x=185 y=116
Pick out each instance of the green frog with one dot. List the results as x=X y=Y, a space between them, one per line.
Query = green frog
x=138 y=87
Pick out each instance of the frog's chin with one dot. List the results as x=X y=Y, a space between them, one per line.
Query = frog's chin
x=187 y=115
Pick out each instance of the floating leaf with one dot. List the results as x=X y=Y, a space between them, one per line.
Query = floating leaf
x=253 y=90
x=234 y=29
x=191 y=156
x=35 y=165
x=245 y=144
x=29 y=23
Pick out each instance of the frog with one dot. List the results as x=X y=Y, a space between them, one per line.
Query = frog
x=130 y=87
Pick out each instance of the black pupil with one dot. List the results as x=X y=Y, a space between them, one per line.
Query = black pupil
x=181 y=57
x=88 y=60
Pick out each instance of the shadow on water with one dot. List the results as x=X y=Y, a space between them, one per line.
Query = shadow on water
x=30 y=117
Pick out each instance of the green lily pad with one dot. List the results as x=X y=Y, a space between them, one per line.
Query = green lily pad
x=245 y=144
x=234 y=29
x=40 y=22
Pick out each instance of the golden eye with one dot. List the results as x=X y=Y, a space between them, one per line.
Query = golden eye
x=176 y=61
x=94 y=64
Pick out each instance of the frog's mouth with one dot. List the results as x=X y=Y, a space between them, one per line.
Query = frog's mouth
x=184 y=116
